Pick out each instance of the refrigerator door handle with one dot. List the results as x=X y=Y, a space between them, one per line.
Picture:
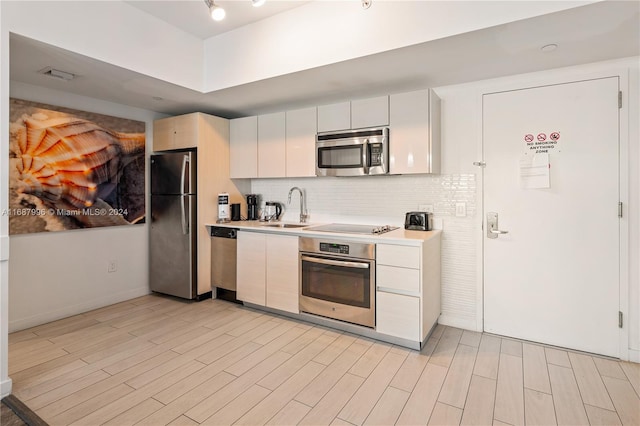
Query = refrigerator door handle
x=185 y=218
x=183 y=174
x=186 y=165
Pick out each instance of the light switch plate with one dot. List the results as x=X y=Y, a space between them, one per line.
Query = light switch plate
x=461 y=209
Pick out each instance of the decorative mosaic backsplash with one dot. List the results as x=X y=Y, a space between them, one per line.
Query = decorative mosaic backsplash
x=381 y=200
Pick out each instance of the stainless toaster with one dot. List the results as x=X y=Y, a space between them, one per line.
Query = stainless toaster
x=418 y=221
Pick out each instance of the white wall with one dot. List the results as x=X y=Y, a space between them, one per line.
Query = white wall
x=326 y=32
x=113 y=32
x=57 y=274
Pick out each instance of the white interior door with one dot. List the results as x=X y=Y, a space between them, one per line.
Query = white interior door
x=554 y=278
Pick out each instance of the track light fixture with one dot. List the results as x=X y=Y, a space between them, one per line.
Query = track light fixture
x=217 y=13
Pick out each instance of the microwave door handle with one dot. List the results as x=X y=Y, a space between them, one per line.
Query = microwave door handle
x=365 y=156
x=330 y=262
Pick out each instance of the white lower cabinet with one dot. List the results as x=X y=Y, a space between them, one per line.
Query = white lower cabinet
x=398 y=315
x=251 y=267
x=267 y=270
x=408 y=289
x=282 y=273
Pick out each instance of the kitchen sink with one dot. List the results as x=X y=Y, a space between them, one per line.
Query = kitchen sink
x=287 y=225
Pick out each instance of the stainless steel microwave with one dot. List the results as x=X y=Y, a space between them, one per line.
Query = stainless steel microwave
x=353 y=152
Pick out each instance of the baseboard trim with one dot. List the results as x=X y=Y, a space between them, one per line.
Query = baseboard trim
x=80 y=308
x=5 y=388
x=634 y=355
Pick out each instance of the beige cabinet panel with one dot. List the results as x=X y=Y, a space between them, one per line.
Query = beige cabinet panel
x=210 y=135
x=401 y=279
x=301 y=128
x=282 y=272
x=175 y=132
x=271 y=145
x=372 y=112
x=414 y=121
x=251 y=267
x=398 y=315
x=244 y=147
x=401 y=256
x=334 y=117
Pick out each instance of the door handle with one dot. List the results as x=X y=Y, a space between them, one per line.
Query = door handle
x=365 y=156
x=185 y=218
x=492 y=226
x=183 y=174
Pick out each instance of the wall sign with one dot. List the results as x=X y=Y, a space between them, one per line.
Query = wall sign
x=540 y=144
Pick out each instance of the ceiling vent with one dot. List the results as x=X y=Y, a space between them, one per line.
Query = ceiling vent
x=60 y=75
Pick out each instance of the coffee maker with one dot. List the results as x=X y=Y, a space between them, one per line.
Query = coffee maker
x=252 y=207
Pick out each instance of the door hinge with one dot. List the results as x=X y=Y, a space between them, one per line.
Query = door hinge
x=620 y=99
x=619 y=319
x=479 y=163
x=620 y=209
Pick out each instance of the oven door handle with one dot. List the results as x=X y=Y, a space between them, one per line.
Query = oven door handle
x=359 y=265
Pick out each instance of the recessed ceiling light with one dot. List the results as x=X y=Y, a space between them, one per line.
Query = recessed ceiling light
x=549 y=47
x=258 y=3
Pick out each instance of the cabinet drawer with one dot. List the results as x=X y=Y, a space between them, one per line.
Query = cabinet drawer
x=402 y=256
x=398 y=315
x=394 y=278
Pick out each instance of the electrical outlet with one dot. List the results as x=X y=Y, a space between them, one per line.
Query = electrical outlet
x=425 y=208
x=461 y=209
x=112 y=266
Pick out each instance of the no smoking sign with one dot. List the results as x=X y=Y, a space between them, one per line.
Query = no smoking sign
x=539 y=143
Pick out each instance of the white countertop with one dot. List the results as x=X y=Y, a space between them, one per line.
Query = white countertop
x=399 y=236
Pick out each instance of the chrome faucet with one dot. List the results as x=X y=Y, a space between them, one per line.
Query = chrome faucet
x=303 y=210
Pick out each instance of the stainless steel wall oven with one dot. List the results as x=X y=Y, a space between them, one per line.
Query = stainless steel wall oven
x=337 y=280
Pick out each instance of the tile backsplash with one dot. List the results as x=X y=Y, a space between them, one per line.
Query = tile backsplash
x=380 y=200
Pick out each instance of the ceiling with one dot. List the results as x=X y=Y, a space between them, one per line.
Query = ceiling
x=192 y=16
x=592 y=33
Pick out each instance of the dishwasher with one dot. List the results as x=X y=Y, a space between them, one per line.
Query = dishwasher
x=223 y=262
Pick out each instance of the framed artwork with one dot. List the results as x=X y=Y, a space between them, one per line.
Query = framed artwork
x=71 y=169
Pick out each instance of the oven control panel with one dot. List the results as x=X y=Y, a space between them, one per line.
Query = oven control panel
x=334 y=248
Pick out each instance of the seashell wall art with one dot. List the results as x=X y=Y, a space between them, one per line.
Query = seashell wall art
x=72 y=169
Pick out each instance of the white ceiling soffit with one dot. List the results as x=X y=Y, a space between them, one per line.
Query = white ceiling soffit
x=596 y=32
x=192 y=16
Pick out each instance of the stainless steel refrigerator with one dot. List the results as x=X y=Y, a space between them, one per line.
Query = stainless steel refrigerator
x=172 y=239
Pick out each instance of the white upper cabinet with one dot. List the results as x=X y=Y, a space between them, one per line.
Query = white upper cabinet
x=334 y=117
x=244 y=147
x=372 y=112
x=301 y=128
x=282 y=144
x=271 y=145
x=414 y=132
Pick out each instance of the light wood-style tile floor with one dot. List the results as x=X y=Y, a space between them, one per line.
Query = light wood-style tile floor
x=156 y=361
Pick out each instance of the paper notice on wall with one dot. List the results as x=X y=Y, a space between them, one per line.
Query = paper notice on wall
x=534 y=171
